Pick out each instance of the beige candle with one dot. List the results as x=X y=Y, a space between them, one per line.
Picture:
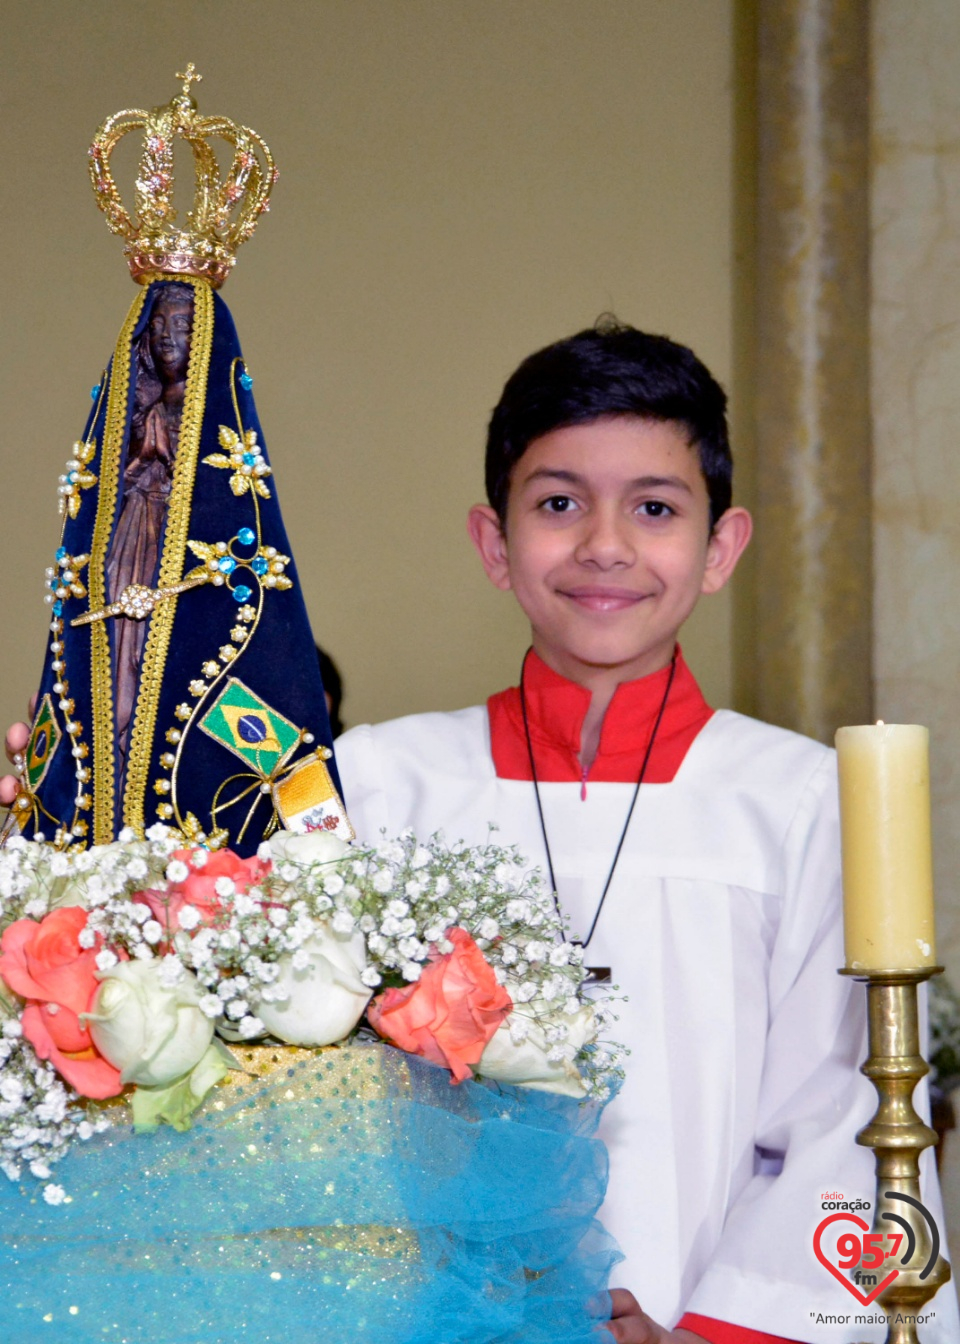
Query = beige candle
x=885 y=832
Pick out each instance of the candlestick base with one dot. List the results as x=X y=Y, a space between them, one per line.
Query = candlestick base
x=898 y=1136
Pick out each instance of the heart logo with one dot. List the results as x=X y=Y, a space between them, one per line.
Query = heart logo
x=862 y=1298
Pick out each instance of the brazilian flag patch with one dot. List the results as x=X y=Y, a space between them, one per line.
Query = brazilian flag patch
x=44 y=739
x=247 y=726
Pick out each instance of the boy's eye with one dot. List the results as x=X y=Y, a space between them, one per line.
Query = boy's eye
x=558 y=504
x=655 y=508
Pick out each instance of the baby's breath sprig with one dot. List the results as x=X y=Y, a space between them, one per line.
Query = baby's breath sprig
x=36 y=878
x=404 y=897
x=405 y=894
x=40 y=1115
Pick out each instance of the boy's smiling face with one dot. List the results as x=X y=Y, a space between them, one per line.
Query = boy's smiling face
x=607 y=544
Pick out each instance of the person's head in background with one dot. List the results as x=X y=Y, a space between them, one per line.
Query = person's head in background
x=332 y=689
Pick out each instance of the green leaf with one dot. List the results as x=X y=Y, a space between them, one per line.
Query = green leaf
x=175 y=1105
x=228 y=1057
x=10 y=1006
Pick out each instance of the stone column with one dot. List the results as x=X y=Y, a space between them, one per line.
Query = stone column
x=916 y=418
x=916 y=411
x=808 y=663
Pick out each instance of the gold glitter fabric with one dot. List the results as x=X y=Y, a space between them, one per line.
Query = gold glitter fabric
x=347 y=1193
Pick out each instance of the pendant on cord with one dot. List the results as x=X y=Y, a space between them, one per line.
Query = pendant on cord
x=595 y=975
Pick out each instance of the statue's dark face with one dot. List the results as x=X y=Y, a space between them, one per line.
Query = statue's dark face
x=170 y=328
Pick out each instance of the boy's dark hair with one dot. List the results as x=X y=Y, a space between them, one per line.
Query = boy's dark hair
x=610 y=370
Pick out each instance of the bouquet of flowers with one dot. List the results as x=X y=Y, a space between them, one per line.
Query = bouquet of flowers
x=403 y=1150
x=132 y=967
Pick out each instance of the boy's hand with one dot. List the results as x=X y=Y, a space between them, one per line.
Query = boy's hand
x=18 y=734
x=630 y=1324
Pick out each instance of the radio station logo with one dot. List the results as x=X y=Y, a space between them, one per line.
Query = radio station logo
x=860 y=1256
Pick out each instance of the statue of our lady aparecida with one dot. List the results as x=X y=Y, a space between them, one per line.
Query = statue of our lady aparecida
x=181 y=682
x=314 y=1181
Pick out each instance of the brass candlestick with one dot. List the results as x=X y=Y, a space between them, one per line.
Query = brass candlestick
x=898 y=1136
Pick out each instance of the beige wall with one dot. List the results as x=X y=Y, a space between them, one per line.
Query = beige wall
x=460 y=184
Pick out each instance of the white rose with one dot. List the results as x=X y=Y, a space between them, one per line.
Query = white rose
x=70 y=886
x=66 y=891
x=151 y=1034
x=314 y=847
x=526 y=1064
x=325 y=999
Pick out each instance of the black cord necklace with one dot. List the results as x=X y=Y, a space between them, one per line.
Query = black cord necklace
x=595 y=973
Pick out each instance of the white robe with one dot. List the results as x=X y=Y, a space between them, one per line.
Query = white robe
x=723 y=929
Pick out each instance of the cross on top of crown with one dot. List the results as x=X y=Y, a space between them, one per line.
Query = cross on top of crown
x=189 y=76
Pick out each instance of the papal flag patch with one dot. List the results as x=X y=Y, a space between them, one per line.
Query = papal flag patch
x=306 y=799
x=247 y=726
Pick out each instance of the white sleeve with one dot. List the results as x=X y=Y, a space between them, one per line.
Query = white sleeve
x=812 y=1101
x=361 y=775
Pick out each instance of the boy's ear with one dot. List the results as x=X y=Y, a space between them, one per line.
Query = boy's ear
x=487 y=535
x=728 y=541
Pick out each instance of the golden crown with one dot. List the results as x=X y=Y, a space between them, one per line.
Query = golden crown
x=225 y=212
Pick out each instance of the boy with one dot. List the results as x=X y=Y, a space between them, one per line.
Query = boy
x=695 y=853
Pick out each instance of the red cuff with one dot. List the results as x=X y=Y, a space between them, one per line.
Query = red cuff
x=722 y=1332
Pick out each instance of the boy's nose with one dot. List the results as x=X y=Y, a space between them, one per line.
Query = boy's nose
x=606 y=542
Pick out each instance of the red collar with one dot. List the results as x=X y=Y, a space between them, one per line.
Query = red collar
x=556 y=709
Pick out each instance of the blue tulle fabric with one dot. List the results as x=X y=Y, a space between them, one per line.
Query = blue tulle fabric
x=347 y=1194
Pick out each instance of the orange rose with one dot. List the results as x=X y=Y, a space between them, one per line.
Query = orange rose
x=451 y=1012
x=45 y=964
x=199 y=887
